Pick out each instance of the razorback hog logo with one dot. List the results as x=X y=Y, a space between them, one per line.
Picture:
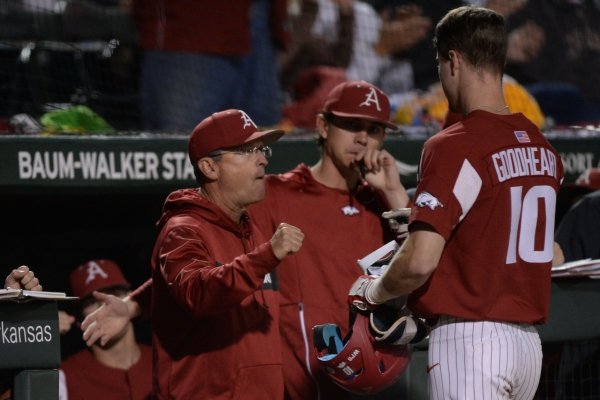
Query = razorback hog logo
x=428 y=200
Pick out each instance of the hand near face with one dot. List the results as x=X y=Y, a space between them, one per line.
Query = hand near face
x=379 y=169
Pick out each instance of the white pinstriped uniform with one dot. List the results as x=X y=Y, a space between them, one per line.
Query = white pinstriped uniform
x=497 y=360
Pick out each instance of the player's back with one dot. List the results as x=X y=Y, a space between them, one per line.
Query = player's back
x=490 y=187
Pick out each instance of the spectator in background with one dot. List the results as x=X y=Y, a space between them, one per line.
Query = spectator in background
x=402 y=29
x=554 y=50
x=198 y=59
x=308 y=50
x=122 y=368
x=337 y=40
x=415 y=57
x=363 y=63
x=315 y=64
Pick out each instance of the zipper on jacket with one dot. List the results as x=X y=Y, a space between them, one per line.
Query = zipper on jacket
x=248 y=245
x=307 y=348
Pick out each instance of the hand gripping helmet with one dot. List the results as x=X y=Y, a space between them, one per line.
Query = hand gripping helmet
x=359 y=363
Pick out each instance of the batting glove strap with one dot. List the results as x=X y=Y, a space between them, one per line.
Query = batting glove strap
x=405 y=330
x=358 y=293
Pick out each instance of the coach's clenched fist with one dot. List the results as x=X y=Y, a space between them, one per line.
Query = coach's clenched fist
x=286 y=240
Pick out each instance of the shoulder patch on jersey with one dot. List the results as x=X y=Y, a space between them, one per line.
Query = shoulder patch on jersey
x=522 y=137
x=426 y=199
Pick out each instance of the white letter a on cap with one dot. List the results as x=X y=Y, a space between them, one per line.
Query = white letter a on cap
x=247 y=120
x=371 y=98
x=93 y=270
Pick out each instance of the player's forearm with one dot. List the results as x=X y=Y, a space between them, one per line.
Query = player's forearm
x=396 y=198
x=410 y=267
x=400 y=279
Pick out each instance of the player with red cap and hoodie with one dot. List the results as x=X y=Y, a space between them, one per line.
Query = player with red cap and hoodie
x=337 y=203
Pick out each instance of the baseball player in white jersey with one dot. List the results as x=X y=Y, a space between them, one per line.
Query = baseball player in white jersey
x=477 y=260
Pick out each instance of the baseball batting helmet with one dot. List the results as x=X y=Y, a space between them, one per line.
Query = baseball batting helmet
x=359 y=364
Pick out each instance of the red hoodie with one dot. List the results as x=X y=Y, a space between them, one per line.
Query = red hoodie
x=214 y=308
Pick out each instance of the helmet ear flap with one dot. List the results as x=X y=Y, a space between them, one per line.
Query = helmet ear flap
x=327 y=339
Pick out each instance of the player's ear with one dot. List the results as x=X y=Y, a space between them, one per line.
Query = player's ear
x=322 y=126
x=209 y=168
x=455 y=59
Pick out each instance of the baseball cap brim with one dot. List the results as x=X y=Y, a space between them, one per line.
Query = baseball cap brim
x=367 y=117
x=266 y=137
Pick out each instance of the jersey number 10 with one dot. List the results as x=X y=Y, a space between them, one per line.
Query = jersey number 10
x=524 y=220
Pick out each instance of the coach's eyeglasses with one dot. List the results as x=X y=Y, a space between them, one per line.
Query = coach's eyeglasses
x=246 y=151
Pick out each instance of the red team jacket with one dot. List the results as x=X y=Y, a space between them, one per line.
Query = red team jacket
x=215 y=330
x=339 y=228
x=488 y=185
x=88 y=379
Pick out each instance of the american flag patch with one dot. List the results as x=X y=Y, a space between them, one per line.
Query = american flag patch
x=522 y=137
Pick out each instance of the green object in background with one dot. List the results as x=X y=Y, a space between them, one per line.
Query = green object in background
x=74 y=120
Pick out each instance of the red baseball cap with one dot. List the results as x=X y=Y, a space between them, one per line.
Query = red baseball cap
x=226 y=129
x=590 y=178
x=96 y=275
x=359 y=99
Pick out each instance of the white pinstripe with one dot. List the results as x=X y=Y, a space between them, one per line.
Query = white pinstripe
x=483 y=360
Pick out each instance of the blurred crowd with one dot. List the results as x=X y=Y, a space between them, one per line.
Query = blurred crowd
x=159 y=65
